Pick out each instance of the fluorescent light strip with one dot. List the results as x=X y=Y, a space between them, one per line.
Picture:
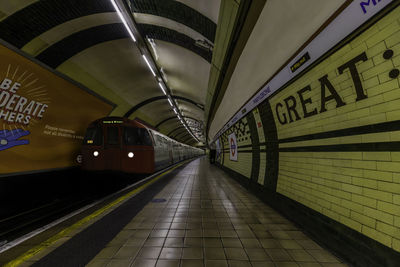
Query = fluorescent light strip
x=169 y=100
x=148 y=65
x=162 y=88
x=121 y=16
x=175 y=111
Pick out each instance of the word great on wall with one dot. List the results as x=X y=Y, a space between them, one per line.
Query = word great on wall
x=15 y=108
x=283 y=112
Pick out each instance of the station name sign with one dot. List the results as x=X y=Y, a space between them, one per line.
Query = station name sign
x=300 y=62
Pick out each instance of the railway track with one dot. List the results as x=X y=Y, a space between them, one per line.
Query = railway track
x=22 y=223
x=32 y=202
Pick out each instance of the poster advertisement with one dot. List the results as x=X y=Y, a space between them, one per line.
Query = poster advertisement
x=232 y=147
x=43 y=117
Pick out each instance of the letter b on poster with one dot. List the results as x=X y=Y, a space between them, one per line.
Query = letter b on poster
x=232 y=147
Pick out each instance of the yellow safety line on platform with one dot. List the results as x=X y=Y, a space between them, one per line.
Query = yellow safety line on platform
x=35 y=250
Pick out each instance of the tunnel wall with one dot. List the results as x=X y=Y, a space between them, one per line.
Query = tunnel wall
x=325 y=149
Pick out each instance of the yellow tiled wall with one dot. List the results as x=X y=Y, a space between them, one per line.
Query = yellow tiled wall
x=244 y=162
x=360 y=189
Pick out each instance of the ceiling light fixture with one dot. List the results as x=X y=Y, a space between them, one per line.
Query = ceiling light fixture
x=121 y=16
x=153 y=46
x=148 y=65
x=169 y=100
x=162 y=88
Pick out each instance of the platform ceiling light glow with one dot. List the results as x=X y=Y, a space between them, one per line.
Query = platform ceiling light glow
x=130 y=154
x=162 y=88
x=148 y=65
x=121 y=16
x=160 y=82
x=95 y=153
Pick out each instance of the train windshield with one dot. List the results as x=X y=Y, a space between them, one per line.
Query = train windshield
x=94 y=136
x=112 y=135
x=136 y=136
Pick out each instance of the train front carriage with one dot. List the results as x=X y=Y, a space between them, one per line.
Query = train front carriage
x=118 y=145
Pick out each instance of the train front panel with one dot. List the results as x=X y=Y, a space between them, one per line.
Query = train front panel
x=118 y=145
x=137 y=150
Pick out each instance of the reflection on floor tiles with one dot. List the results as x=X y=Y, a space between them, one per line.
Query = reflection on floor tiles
x=208 y=219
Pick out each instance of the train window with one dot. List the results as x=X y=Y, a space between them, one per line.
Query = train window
x=93 y=136
x=112 y=136
x=136 y=136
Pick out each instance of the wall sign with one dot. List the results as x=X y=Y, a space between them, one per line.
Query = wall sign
x=43 y=116
x=300 y=62
x=352 y=17
x=232 y=147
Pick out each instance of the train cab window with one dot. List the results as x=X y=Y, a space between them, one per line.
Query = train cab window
x=112 y=136
x=93 y=136
x=137 y=136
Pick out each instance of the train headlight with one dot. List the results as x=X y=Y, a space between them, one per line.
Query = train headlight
x=130 y=154
x=96 y=153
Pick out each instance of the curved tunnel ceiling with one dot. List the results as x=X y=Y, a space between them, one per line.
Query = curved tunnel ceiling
x=179 y=12
x=86 y=41
x=186 y=77
x=151 y=100
x=171 y=118
x=61 y=51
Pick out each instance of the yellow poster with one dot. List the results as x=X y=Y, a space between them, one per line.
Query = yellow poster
x=43 y=116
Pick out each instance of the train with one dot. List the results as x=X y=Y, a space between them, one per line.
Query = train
x=121 y=144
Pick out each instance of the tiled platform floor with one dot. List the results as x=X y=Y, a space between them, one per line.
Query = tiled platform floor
x=208 y=219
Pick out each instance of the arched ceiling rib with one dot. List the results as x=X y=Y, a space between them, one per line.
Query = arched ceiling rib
x=209 y=8
x=180 y=134
x=168 y=35
x=61 y=51
x=9 y=7
x=142 y=18
x=171 y=118
x=151 y=100
x=46 y=14
x=179 y=12
x=61 y=31
x=175 y=129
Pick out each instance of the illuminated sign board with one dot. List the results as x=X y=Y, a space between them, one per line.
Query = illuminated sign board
x=112 y=122
x=300 y=62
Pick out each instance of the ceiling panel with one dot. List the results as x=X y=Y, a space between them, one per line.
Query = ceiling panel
x=187 y=77
x=119 y=66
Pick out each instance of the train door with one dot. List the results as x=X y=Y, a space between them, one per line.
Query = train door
x=112 y=148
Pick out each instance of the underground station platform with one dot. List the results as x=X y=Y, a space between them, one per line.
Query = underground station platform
x=193 y=214
x=200 y=133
